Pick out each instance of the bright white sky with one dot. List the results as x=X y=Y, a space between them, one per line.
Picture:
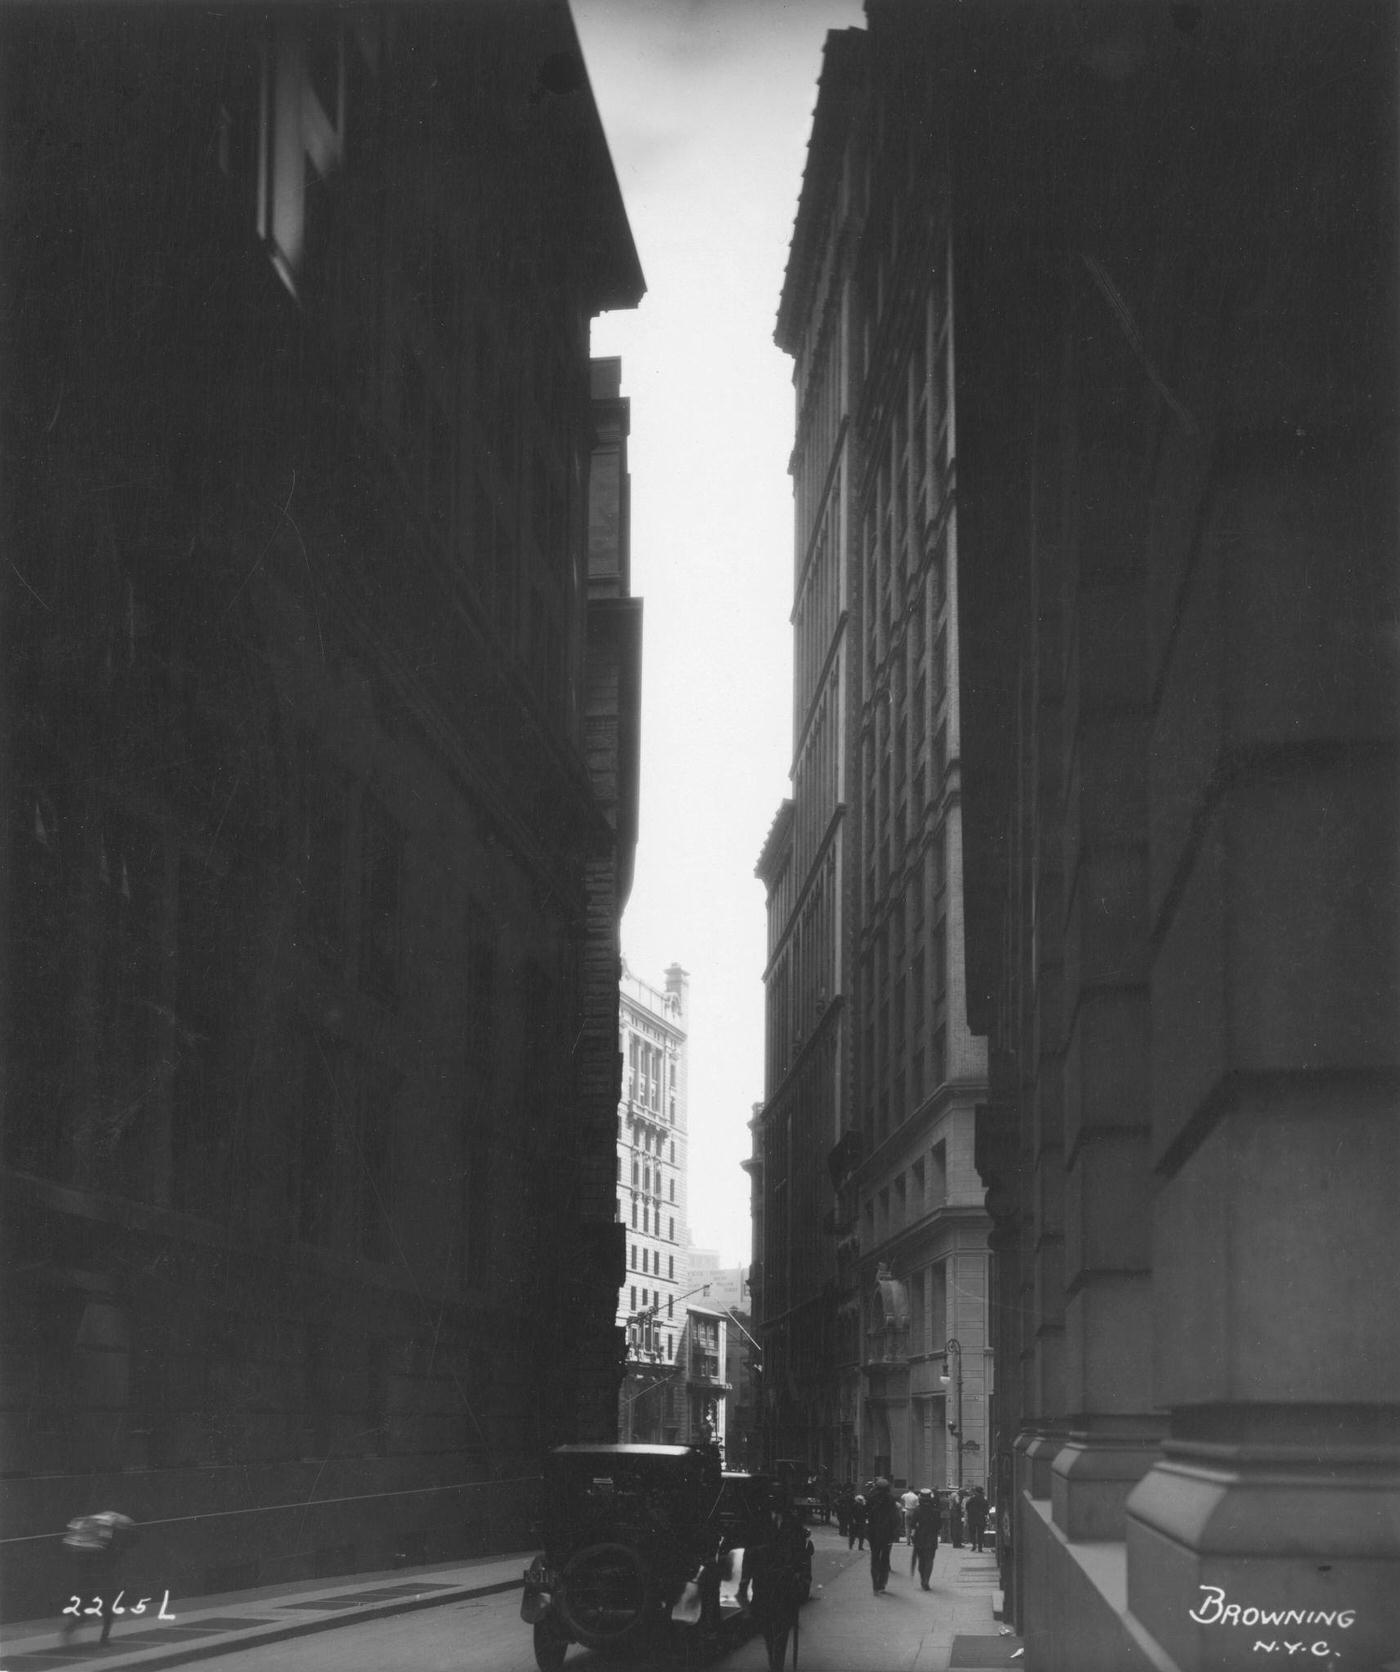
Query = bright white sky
x=707 y=106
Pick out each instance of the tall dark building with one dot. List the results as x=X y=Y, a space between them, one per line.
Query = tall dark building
x=1172 y=235
x=872 y=1290
x=319 y=764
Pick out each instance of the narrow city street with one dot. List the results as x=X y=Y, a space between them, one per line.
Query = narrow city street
x=844 y=1628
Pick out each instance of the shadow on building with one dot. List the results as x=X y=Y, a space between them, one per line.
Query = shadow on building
x=319 y=759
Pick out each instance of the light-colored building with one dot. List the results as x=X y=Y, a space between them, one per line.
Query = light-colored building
x=724 y=1286
x=872 y=1291
x=652 y=1128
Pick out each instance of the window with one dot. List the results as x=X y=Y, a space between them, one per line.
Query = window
x=633 y=1306
x=673 y=1230
x=633 y=1248
x=671 y=1267
x=938 y=1175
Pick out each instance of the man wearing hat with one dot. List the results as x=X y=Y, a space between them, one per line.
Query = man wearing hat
x=882 y=1529
x=924 y=1527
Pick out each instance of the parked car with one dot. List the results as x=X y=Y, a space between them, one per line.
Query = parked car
x=653 y=1545
x=624 y=1529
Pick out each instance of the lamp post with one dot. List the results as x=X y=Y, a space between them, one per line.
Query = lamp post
x=952 y=1350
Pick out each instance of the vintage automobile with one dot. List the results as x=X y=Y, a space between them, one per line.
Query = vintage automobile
x=652 y=1547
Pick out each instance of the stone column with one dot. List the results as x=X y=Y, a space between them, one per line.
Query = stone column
x=1108 y=1314
x=1275 y=1081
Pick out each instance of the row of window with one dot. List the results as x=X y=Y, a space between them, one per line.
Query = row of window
x=650 y=1259
x=647 y=1142
x=650 y=1220
x=802 y=978
x=920 y=1189
x=647 y=1181
x=651 y=1077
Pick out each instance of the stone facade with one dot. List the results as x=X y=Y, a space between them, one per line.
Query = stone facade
x=871 y=1273
x=1176 y=328
x=319 y=782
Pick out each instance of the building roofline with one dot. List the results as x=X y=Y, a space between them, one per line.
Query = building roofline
x=843 y=69
x=779 y=833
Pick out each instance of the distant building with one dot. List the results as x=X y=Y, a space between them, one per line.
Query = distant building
x=871 y=1260
x=319 y=775
x=705 y=1413
x=652 y=1170
x=728 y=1287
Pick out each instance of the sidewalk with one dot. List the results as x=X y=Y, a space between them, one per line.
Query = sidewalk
x=952 y=1627
x=207 y=1626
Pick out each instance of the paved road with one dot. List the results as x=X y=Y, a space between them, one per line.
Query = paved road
x=843 y=1629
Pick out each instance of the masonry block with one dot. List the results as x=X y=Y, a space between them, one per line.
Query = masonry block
x=1316 y=985
x=1106 y=1064
x=1189 y=1039
x=1108 y=1220
x=1108 y=1344
x=1311 y=594
x=1266 y=1247
x=1106 y=920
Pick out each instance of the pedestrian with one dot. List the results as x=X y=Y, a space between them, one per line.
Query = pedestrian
x=95 y=1545
x=882 y=1528
x=955 y=1521
x=844 y=1498
x=976 y=1517
x=908 y=1503
x=928 y=1523
x=855 y=1527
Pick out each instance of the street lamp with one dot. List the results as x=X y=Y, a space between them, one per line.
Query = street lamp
x=952 y=1349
